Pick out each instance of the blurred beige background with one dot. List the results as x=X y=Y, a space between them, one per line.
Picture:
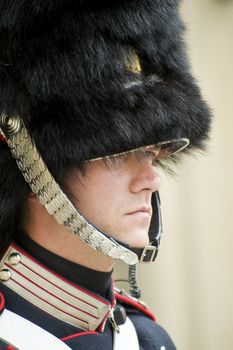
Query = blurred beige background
x=190 y=286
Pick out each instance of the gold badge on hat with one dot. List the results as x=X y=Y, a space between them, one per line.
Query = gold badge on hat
x=133 y=63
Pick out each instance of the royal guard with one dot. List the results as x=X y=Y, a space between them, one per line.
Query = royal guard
x=94 y=97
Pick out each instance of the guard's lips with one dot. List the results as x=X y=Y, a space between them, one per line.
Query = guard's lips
x=142 y=210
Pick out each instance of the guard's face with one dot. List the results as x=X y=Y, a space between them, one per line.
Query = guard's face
x=117 y=198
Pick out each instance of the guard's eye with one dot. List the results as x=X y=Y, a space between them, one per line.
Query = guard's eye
x=153 y=155
x=150 y=155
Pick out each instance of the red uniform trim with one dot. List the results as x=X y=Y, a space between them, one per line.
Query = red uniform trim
x=72 y=336
x=74 y=296
x=2 y=303
x=55 y=307
x=10 y=347
x=53 y=295
x=60 y=277
x=136 y=305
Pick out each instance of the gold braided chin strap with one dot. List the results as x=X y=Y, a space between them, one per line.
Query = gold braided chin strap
x=37 y=175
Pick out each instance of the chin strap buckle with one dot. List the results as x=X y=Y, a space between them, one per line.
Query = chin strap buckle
x=149 y=254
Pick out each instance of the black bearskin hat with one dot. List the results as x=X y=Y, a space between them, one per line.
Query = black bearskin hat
x=91 y=80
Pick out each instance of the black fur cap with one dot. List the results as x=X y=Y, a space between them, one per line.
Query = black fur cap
x=64 y=68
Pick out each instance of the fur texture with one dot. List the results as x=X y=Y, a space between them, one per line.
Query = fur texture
x=63 y=69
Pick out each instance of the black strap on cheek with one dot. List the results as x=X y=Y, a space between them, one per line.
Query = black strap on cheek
x=150 y=252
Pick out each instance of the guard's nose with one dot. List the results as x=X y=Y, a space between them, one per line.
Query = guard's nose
x=146 y=177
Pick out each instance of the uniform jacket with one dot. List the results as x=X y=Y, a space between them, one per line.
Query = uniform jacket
x=50 y=300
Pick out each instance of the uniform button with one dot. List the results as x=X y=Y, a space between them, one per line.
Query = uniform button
x=14 y=258
x=5 y=275
x=163 y=348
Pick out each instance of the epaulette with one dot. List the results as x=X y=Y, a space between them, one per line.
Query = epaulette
x=125 y=298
